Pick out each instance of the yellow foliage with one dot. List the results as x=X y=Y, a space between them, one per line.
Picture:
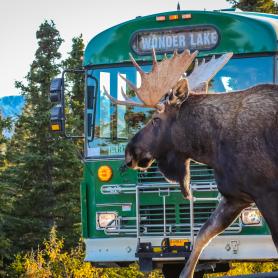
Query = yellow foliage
x=52 y=261
x=247 y=268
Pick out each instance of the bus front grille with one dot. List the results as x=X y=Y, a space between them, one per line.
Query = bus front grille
x=175 y=221
x=177 y=218
x=202 y=176
x=162 y=211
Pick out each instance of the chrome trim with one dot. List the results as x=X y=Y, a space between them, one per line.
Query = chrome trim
x=152 y=226
x=113 y=204
x=164 y=215
x=118 y=228
x=137 y=213
x=118 y=189
x=111 y=189
x=192 y=218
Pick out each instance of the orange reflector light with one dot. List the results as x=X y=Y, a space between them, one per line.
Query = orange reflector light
x=161 y=18
x=55 y=127
x=104 y=173
x=173 y=17
x=186 y=16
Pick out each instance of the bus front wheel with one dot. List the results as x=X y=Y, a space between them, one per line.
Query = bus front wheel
x=174 y=270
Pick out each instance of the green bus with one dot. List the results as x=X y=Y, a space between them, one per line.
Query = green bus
x=130 y=216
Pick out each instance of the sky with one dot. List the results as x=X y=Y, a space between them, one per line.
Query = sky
x=20 y=19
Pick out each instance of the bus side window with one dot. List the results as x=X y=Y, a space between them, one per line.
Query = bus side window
x=90 y=107
x=89 y=125
x=90 y=97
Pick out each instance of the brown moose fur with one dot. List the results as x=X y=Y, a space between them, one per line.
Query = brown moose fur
x=234 y=133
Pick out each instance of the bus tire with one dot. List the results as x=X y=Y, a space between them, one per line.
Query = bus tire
x=174 y=270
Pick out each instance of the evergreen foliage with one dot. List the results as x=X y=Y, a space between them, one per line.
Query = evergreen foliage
x=75 y=86
x=5 y=124
x=44 y=169
x=262 y=6
x=5 y=194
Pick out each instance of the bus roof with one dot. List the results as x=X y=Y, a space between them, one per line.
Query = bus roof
x=239 y=32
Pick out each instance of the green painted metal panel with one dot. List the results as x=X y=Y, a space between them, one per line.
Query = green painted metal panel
x=240 y=33
x=84 y=206
x=96 y=201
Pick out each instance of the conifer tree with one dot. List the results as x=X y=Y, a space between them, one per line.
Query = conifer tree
x=75 y=82
x=263 y=6
x=5 y=194
x=5 y=125
x=45 y=169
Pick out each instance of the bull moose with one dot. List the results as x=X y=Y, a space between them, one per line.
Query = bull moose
x=234 y=133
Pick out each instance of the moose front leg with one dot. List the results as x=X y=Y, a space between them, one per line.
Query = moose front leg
x=221 y=218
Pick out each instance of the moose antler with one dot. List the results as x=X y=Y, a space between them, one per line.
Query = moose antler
x=201 y=75
x=159 y=81
x=127 y=101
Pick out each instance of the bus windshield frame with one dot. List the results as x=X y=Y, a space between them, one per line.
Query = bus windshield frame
x=115 y=125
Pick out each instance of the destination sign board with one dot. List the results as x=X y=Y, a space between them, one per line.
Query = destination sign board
x=168 y=40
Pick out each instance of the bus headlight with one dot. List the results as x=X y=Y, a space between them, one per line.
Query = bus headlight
x=251 y=216
x=106 y=219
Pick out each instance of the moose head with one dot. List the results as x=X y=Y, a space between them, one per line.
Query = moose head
x=165 y=89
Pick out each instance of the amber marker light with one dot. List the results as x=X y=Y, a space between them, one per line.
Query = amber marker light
x=173 y=17
x=161 y=18
x=55 y=127
x=104 y=173
x=186 y=16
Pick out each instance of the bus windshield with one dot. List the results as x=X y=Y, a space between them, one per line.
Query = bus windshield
x=115 y=125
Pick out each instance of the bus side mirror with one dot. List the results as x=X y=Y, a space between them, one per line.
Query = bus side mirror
x=56 y=89
x=57 y=112
x=57 y=120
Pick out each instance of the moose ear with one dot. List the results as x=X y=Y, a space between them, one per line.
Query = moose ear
x=181 y=89
x=179 y=92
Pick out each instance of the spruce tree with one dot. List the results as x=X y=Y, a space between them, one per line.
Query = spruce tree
x=44 y=166
x=5 y=194
x=75 y=85
x=263 y=6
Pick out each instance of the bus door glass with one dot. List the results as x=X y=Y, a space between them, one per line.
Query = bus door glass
x=115 y=125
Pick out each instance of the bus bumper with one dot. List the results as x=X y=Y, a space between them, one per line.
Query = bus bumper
x=255 y=247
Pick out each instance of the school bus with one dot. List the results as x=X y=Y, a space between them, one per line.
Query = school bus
x=130 y=216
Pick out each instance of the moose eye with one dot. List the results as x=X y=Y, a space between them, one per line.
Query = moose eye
x=155 y=121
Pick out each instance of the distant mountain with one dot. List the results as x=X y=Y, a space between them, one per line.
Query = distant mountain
x=11 y=106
